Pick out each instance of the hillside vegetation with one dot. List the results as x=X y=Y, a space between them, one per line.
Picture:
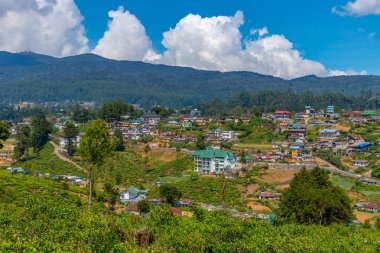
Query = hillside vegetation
x=39 y=78
x=37 y=215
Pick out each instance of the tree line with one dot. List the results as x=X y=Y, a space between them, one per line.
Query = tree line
x=269 y=101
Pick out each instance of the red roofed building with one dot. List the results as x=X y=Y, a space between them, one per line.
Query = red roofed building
x=356 y=112
x=132 y=208
x=282 y=115
x=176 y=211
x=373 y=207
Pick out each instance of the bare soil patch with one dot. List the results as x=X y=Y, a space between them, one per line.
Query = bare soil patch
x=363 y=216
x=252 y=188
x=273 y=176
x=341 y=127
x=257 y=207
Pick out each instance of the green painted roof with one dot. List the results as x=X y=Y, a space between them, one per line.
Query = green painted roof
x=231 y=156
x=368 y=113
x=219 y=154
x=134 y=190
x=248 y=158
x=209 y=154
x=197 y=152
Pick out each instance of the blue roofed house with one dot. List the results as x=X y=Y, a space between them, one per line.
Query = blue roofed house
x=329 y=133
x=213 y=161
x=132 y=194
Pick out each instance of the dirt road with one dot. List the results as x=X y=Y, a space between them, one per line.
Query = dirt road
x=64 y=158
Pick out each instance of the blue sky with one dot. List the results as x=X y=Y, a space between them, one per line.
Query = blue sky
x=337 y=42
x=284 y=38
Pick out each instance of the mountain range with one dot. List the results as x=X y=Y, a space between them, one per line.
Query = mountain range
x=39 y=78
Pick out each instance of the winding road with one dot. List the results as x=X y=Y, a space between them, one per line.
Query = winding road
x=64 y=158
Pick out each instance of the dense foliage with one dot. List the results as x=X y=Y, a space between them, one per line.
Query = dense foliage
x=23 y=142
x=313 y=199
x=94 y=146
x=39 y=215
x=268 y=101
x=171 y=193
x=70 y=132
x=4 y=132
x=41 y=128
x=31 y=77
x=376 y=173
x=114 y=110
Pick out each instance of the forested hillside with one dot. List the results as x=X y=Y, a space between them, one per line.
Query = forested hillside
x=268 y=101
x=39 y=78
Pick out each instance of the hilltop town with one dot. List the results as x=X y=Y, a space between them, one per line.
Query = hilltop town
x=238 y=163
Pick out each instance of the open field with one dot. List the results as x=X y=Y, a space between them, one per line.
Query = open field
x=161 y=154
x=273 y=176
x=257 y=207
x=363 y=216
x=364 y=192
x=342 y=127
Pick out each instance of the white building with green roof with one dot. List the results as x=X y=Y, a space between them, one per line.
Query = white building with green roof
x=213 y=161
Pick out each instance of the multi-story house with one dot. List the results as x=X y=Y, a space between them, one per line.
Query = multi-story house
x=213 y=161
x=282 y=115
x=330 y=110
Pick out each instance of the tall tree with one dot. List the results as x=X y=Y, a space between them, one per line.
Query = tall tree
x=170 y=192
x=200 y=144
x=23 y=142
x=313 y=199
x=147 y=149
x=41 y=128
x=162 y=111
x=114 y=110
x=94 y=146
x=70 y=132
x=119 y=140
x=4 y=132
x=82 y=115
x=144 y=206
x=376 y=173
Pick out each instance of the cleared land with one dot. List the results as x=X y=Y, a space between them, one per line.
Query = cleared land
x=273 y=176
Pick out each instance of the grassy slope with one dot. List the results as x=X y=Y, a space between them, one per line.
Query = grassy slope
x=38 y=215
x=48 y=162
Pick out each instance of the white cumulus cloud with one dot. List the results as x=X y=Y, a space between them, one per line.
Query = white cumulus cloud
x=263 y=31
x=216 y=44
x=125 y=39
x=52 y=27
x=349 y=72
x=359 y=8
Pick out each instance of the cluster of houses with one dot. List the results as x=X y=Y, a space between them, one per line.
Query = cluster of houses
x=298 y=146
x=219 y=136
x=136 y=129
x=77 y=180
x=133 y=195
x=373 y=207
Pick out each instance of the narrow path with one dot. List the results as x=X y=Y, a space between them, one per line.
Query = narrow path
x=64 y=158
